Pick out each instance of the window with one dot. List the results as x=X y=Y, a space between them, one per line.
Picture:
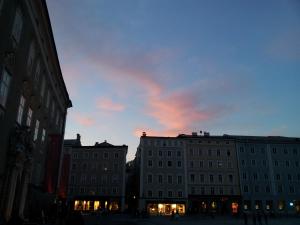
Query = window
x=297 y=163
x=95 y=155
x=253 y=162
x=256 y=188
x=241 y=149
x=211 y=178
x=4 y=87
x=268 y=189
x=192 y=177
x=21 y=110
x=277 y=176
x=230 y=178
x=266 y=176
x=202 y=190
x=289 y=177
x=285 y=151
x=220 y=164
x=1 y=5
x=292 y=190
x=243 y=162
x=220 y=178
x=179 y=194
x=169 y=163
x=43 y=135
x=274 y=150
x=160 y=153
x=170 y=179
x=212 y=190
x=287 y=163
x=276 y=163
x=160 y=164
x=201 y=164
x=178 y=153
x=229 y=165
x=31 y=56
x=160 y=194
x=74 y=166
x=191 y=164
x=228 y=153
x=218 y=152
x=29 y=117
x=201 y=178
x=280 y=188
x=116 y=166
x=255 y=176
x=179 y=179
x=191 y=152
x=149 y=178
x=149 y=163
x=105 y=155
x=150 y=153
x=252 y=150
x=264 y=163
x=221 y=191
x=149 y=193
x=209 y=152
x=170 y=193
x=160 y=179
x=210 y=164
x=295 y=151
x=169 y=153
x=116 y=155
x=244 y=176
x=178 y=163
x=246 y=188
x=17 y=27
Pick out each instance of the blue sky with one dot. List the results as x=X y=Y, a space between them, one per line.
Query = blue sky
x=172 y=66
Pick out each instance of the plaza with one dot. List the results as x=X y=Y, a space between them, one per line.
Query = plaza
x=185 y=220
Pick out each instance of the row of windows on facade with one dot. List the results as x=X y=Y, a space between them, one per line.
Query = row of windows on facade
x=95 y=155
x=163 y=143
x=7 y=77
x=267 y=189
x=84 y=179
x=209 y=152
x=254 y=162
x=165 y=153
x=192 y=164
x=193 y=178
x=211 y=191
x=94 y=190
x=284 y=150
x=95 y=166
x=211 y=178
x=278 y=177
x=169 y=194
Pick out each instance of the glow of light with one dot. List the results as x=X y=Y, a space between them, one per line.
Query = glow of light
x=291 y=204
x=173 y=206
x=160 y=206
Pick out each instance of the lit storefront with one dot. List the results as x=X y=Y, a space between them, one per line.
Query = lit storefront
x=94 y=205
x=165 y=208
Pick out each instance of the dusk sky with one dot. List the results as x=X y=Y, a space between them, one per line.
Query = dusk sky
x=177 y=66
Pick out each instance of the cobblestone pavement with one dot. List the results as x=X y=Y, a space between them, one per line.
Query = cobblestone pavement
x=194 y=220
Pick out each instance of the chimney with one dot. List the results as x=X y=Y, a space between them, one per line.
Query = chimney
x=78 y=137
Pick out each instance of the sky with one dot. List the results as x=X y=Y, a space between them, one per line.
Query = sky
x=168 y=67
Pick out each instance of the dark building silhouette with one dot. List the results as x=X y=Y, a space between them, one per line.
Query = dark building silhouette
x=33 y=108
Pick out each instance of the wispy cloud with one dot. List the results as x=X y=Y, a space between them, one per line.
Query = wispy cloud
x=83 y=120
x=109 y=105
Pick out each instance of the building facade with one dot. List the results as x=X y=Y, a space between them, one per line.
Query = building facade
x=269 y=173
x=212 y=173
x=96 y=179
x=162 y=166
x=33 y=105
x=220 y=174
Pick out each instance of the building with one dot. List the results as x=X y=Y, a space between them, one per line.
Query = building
x=96 y=180
x=163 y=186
x=33 y=107
x=269 y=173
x=194 y=173
x=212 y=173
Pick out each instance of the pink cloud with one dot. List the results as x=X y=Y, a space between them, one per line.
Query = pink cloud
x=109 y=105
x=83 y=119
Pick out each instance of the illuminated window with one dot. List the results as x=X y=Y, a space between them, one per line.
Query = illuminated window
x=4 y=87
x=43 y=135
